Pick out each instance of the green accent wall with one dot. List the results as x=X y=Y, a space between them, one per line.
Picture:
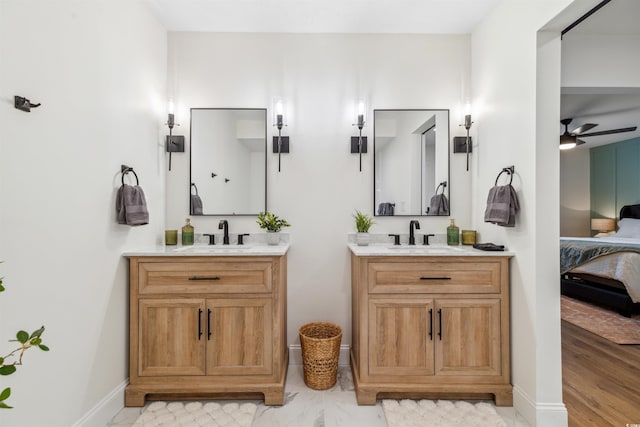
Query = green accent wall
x=615 y=177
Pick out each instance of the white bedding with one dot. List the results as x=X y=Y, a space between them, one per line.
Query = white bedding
x=621 y=266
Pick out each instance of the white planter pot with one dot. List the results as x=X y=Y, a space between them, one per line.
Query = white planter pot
x=362 y=239
x=273 y=238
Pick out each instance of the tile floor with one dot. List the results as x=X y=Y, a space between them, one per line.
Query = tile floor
x=305 y=407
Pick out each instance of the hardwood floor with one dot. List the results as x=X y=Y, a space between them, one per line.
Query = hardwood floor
x=601 y=379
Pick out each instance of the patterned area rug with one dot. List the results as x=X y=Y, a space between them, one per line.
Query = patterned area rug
x=441 y=413
x=197 y=414
x=607 y=324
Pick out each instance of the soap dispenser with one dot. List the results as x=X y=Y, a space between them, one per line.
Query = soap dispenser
x=453 y=234
x=187 y=233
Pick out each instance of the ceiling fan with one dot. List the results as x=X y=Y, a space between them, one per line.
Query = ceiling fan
x=570 y=139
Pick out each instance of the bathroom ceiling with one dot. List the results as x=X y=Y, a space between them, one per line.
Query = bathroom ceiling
x=323 y=16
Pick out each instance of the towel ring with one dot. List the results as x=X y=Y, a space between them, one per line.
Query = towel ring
x=510 y=170
x=125 y=170
x=443 y=184
x=194 y=186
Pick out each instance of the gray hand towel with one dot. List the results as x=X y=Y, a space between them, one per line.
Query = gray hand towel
x=439 y=205
x=502 y=206
x=196 y=205
x=131 y=206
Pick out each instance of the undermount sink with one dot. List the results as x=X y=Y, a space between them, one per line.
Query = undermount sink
x=426 y=249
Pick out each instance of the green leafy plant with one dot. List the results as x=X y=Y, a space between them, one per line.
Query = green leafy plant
x=10 y=362
x=270 y=222
x=363 y=222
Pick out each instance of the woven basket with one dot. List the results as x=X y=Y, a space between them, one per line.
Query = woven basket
x=320 y=351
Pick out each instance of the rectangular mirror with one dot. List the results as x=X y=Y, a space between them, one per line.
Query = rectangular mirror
x=411 y=162
x=228 y=161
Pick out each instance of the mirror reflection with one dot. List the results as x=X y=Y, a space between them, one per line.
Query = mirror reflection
x=411 y=162
x=228 y=161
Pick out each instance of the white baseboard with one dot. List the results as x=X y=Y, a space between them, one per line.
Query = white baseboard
x=106 y=409
x=539 y=414
x=295 y=355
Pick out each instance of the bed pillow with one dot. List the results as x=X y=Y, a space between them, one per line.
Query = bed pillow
x=628 y=227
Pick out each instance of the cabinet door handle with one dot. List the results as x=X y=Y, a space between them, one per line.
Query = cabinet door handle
x=199 y=323
x=205 y=278
x=431 y=324
x=440 y=323
x=435 y=278
x=208 y=324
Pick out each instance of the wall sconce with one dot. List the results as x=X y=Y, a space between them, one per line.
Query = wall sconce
x=175 y=143
x=603 y=225
x=23 y=104
x=280 y=143
x=462 y=144
x=359 y=143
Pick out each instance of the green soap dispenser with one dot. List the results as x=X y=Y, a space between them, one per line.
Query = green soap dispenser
x=453 y=234
x=187 y=233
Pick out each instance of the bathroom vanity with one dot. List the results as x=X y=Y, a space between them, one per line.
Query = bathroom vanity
x=207 y=322
x=430 y=323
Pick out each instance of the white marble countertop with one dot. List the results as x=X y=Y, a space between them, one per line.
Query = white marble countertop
x=387 y=249
x=211 y=250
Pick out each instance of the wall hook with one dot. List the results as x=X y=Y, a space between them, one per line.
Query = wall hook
x=22 y=103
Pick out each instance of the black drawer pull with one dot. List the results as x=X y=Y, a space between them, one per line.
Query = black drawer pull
x=204 y=278
x=440 y=321
x=435 y=278
x=431 y=324
x=208 y=324
x=199 y=324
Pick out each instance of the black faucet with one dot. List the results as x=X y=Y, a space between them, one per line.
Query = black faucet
x=224 y=225
x=241 y=238
x=412 y=237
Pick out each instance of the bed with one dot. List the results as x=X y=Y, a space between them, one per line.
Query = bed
x=605 y=270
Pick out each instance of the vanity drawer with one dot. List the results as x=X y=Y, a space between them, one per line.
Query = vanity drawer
x=204 y=277
x=434 y=277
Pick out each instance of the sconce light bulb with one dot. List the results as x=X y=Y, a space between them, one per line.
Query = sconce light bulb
x=171 y=120
x=467 y=121
x=279 y=121
x=170 y=107
x=360 y=121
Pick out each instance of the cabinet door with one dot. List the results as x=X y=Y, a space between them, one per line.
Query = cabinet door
x=170 y=341
x=240 y=336
x=400 y=336
x=469 y=341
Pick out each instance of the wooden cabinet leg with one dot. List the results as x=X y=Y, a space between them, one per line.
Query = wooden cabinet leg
x=134 y=397
x=273 y=398
x=504 y=398
x=366 y=397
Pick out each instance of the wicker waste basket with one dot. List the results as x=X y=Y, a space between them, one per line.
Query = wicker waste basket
x=320 y=351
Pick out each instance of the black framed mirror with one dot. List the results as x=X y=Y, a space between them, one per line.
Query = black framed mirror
x=411 y=162
x=228 y=157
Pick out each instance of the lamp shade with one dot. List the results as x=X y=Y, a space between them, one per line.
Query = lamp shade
x=603 y=225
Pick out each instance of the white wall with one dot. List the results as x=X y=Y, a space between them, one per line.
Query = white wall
x=320 y=185
x=516 y=94
x=99 y=69
x=575 y=197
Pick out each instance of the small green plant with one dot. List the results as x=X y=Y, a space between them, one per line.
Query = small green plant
x=270 y=222
x=363 y=222
x=9 y=362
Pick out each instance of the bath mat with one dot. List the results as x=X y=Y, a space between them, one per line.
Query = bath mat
x=441 y=413
x=600 y=321
x=197 y=414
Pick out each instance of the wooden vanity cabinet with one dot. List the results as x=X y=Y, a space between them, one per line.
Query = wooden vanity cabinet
x=431 y=326
x=207 y=327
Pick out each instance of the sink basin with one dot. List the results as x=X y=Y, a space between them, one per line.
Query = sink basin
x=426 y=249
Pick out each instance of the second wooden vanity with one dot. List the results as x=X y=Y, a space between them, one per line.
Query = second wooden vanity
x=207 y=326
x=432 y=326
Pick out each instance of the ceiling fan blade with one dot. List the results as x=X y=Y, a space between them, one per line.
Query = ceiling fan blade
x=609 y=132
x=585 y=127
x=579 y=141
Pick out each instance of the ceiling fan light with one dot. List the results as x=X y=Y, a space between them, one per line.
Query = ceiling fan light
x=567 y=141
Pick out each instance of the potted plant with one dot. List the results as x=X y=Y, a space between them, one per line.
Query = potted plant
x=273 y=224
x=363 y=223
